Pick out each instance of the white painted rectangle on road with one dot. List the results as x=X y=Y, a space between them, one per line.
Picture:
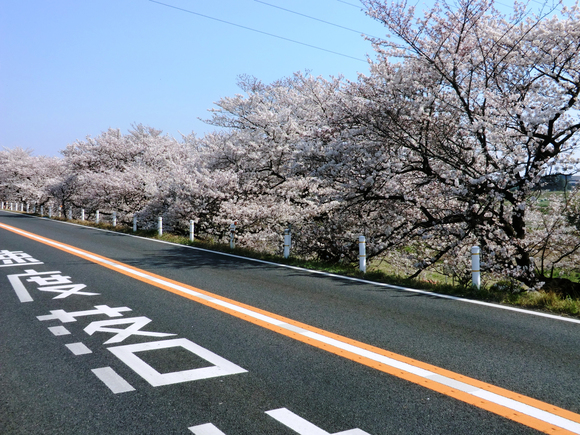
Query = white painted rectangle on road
x=220 y=366
x=59 y=330
x=112 y=380
x=206 y=429
x=78 y=348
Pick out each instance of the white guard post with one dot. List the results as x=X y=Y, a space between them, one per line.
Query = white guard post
x=191 y=230
x=475 y=273
x=98 y=218
x=114 y=218
x=134 y=223
x=160 y=226
x=287 y=242
x=50 y=212
x=82 y=214
x=41 y=210
x=233 y=235
x=362 y=254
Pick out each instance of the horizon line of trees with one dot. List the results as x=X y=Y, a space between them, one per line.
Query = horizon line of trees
x=444 y=145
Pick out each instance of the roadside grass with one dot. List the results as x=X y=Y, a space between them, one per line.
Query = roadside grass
x=534 y=300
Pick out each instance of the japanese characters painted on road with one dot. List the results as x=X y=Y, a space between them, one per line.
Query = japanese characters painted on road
x=119 y=328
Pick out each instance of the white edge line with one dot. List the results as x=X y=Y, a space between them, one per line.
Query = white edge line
x=332 y=275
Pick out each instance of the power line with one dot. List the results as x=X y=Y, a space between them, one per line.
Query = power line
x=257 y=31
x=350 y=4
x=313 y=18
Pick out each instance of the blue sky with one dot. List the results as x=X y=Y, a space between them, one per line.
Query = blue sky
x=74 y=68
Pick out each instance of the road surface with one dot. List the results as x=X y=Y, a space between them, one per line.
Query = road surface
x=104 y=333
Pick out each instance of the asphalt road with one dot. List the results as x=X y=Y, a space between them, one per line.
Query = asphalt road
x=172 y=365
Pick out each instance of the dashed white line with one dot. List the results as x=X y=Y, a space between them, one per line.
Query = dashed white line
x=112 y=380
x=78 y=348
x=206 y=429
x=59 y=330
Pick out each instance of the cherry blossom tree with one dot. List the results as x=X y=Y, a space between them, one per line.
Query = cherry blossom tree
x=25 y=178
x=442 y=145
x=463 y=112
x=272 y=187
x=116 y=172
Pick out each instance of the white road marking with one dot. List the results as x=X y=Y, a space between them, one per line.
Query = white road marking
x=19 y=288
x=304 y=427
x=220 y=367
x=55 y=279
x=25 y=264
x=65 y=317
x=529 y=410
x=112 y=380
x=59 y=330
x=206 y=429
x=67 y=290
x=16 y=258
x=63 y=285
x=78 y=348
x=136 y=323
